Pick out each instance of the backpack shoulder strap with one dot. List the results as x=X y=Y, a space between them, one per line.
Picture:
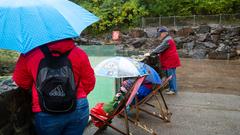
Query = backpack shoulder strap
x=68 y=52
x=45 y=51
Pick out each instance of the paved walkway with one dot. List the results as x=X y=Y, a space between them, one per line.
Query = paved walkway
x=208 y=102
x=193 y=114
x=209 y=76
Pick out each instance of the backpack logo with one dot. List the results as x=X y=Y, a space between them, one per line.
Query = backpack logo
x=57 y=92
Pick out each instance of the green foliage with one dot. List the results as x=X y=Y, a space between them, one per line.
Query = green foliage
x=190 y=7
x=6 y=55
x=7 y=61
x=114 y=14
x=124 y=13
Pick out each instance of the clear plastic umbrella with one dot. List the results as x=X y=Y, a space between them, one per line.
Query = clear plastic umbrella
x=120 y=67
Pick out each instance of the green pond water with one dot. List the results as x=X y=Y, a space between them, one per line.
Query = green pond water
x=105 y=87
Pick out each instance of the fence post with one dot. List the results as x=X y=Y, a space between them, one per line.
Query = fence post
x=143 y=22
x=174 y=19
x=159 y=21
x=220 y=19
x=194 y=20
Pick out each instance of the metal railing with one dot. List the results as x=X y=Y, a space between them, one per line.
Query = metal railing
x=194 y=20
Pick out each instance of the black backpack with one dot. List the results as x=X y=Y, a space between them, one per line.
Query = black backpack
x=55 y=83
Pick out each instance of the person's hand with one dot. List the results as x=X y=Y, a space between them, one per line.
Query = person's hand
x=147 y=54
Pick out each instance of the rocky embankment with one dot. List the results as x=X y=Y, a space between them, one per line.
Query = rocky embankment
x=209 y=42
x=213 y=42
x=15 y=110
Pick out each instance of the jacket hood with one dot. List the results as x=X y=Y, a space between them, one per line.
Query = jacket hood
x=61 y=45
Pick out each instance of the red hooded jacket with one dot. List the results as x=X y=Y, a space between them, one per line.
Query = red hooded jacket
x=26 y=69
x=169 y=58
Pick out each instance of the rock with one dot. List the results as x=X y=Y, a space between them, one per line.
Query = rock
x=19 y=118
x=7 y=129
x=151 y=32
x=137 y=33
x=188 y=39
x=16 y=111
x=85 y=41
x=7 y=85
x=5 y=114
x=208 y=37
x=204 y=29
x=138 y=42
x=199 y=45
x=222 y=55
x=238 y=49
x=6 y=67
x=215 y=38
x=150 y=44
x=178 y=42
x=199 y=53
x=235 y=31
x=188 y=46
x=172 y=32
x=82 y=41
x=183 y=53
x=227 y=42
x=223 y=48
x=184 y=32
x=217 y=31
x=210 y=45
x=201 y=37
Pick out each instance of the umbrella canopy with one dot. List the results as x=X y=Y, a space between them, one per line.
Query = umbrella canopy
x=26 y=24
x=152 y=76
x=119 y=67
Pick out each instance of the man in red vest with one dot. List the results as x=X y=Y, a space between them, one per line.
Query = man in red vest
x=168 y=57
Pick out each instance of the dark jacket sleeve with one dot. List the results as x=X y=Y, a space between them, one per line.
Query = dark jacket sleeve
x=21 y=75
x=162 y=47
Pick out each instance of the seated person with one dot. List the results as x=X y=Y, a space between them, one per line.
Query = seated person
x=105 y=109
x=145 y=89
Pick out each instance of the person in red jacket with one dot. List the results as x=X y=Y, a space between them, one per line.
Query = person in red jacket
x=25 y=75
x=168 y=57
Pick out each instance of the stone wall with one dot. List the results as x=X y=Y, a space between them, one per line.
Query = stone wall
x=15 y=110
x=209 y=42
x=213 y=42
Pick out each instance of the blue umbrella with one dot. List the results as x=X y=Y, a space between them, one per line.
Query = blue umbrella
x=26 y=24
x=153 y=76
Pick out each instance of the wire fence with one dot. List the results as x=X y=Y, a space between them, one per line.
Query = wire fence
x=194 y=20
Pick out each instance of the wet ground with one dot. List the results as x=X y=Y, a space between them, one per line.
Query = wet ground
x=209 y=76
x=208 y=102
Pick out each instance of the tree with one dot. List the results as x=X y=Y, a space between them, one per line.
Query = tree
x=117 y=13
x=121 y=13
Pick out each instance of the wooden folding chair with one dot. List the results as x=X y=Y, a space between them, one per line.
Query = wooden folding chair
x=121 y=108
x=162 y=111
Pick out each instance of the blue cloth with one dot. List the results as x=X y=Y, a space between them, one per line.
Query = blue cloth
x=143 y=91
x=26 y=24
x=173 y=81
x=63 y=124
x=152 y=76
